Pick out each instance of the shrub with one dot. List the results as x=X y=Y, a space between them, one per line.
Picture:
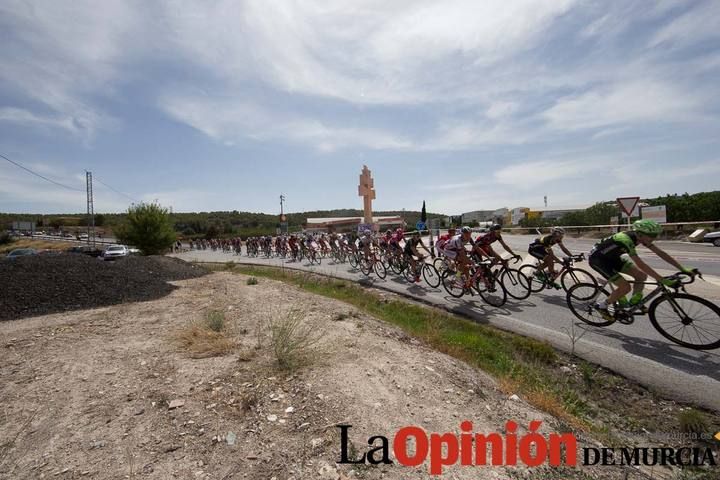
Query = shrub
x=293 y=339
x=252 y=281
x=692 y=421
x=147 y=227
x=5 y=238
x=215 y=321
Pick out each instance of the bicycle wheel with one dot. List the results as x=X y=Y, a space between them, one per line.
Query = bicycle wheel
x=515 y=283
x=380 y=269
x=396 y=265
x=317 y=258
x=365 y=267
x=573 y=276
x=492 y=291
x=581 y=299
x=687 y=320
x=453 y=285
x=440 y=265
x=431 y=275
x=409 y=273
x=353 y=260
x=536 y=285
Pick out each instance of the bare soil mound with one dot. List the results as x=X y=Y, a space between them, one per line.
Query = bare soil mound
x=42 y=284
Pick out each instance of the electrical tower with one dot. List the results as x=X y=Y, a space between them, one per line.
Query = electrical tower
x=90 y=208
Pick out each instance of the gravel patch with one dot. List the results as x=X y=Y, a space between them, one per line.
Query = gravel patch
x=42 y=284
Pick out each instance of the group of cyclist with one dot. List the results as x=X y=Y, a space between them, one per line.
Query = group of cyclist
x=611 y=258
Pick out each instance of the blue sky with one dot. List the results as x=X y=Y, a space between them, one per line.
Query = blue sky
x=468 y=105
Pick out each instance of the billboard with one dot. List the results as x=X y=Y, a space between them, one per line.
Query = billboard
x=24 y=226
x=658 y=213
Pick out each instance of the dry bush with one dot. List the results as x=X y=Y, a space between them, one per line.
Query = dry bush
x=210 y=337
x=293 y=339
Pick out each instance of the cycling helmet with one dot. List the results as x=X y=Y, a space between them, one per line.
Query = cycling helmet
x=647 y=227
x=495 y=226
x=557 y=231
x=466 y=230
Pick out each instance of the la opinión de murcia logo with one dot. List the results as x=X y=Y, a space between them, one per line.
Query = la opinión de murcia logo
x=469 y=449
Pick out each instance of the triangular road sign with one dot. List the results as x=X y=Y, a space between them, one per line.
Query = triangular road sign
x=628 y=204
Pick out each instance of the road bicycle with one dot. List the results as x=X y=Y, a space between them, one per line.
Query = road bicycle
x=372 y=264
x=420 y=267
x=569 y=275
x=683 y=318
x=483 y=280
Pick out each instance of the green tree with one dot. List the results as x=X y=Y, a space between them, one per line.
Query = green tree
x=147 y=227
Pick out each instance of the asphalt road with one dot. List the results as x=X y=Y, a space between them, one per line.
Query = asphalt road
x=636 y=351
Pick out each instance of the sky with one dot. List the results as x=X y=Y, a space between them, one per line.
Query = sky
x=464 y=104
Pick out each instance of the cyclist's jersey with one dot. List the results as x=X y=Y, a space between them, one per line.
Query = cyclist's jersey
x=441 y=241
x=488 y=238
x=619 y=244
x=456 y=244
x=411 y=245
x=547 y=241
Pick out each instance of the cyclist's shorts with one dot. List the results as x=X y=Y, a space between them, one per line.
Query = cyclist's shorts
x=609 y=267
x=538 y=251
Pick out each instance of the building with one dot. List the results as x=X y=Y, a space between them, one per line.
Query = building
x=546 y=213
x=480 y=216
x=347 y=224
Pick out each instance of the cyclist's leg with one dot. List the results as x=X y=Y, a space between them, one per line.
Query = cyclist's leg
x=639 y=277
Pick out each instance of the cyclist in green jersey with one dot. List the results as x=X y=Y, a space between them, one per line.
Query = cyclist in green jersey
x=608 y=259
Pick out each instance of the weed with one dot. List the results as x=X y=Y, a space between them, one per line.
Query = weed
x=293 y=339
x=252 y=281
x=215 y=321
x=692 y=421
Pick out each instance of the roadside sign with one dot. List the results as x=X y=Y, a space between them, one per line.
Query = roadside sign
x=420 y=225
x=628 y=205
x=658 y=213
x=365 y=227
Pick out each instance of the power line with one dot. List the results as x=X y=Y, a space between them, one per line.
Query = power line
x=116 y=191
x=40 y=176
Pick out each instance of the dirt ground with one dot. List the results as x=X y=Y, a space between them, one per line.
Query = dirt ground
x=88 y=394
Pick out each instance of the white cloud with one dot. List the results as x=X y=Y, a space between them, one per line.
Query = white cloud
x=624 y=103
x=529 y=175
x=699 y=24
x=232 y=119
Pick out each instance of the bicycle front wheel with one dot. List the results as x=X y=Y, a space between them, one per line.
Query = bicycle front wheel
x=453 y=285
x=431 y=275
x=536 y=285
x=687 y=320
x=515 y=283
x=380 y=269
x=573 y=276
x=492 y=291
x=581 y=299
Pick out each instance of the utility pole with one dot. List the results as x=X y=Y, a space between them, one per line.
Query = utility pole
x=90 y=208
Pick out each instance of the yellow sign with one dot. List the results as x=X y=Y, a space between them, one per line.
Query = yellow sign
x=717 y=436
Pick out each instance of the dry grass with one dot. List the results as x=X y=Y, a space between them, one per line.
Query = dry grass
x=36 y=244
x=210 y=337
x=293 y=339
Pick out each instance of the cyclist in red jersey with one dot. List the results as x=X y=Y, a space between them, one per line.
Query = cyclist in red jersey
x=483 y=244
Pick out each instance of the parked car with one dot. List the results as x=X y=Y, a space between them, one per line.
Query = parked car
x=713 y=238
x=115 y=251
x=21 y=252
x=83 y=236
x=69 y=235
